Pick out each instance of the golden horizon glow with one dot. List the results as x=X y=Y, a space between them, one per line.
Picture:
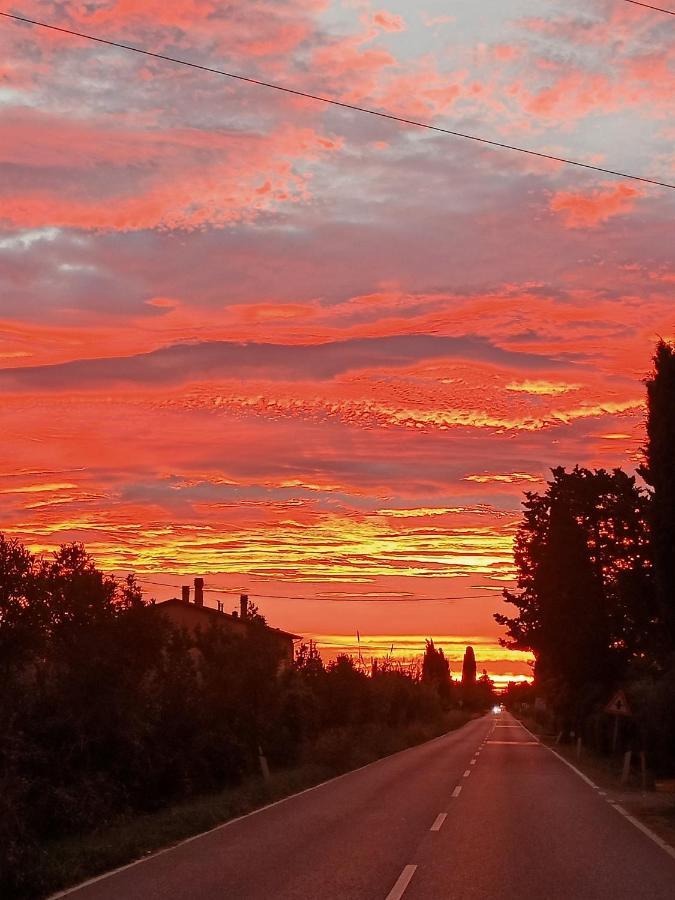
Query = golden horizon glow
x=502 y=664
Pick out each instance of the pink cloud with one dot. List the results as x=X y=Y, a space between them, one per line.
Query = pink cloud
x=388 y=21
x=506 y=52
x=588 y=210
x=195 y=177
x=261 y=29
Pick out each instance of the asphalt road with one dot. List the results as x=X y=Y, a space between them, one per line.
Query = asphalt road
x=483 y=812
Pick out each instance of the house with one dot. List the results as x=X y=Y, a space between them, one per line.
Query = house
x=182 y=613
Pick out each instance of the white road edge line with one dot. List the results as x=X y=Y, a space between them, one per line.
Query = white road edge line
x=440 y=818
x=562 y=759
x=645 y=830
x=404 y=879
x=636 y=822
x=254 y=812
x=457 y=791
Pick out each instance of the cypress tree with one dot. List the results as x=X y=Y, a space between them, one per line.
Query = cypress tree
x=659 y=472
x=469 y=668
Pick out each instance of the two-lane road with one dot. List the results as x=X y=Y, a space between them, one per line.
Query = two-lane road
x=483 y=812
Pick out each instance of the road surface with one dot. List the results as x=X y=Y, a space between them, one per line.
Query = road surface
x=483 y=812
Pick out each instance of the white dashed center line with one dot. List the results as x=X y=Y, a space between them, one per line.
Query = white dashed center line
x=403 y=881
x=457 y=791
x=440 y=818
x=467 y=773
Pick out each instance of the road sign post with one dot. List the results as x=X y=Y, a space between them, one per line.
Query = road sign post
x=618 y=707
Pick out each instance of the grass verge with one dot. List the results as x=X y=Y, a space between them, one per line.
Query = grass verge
x=69 y=861
x=74 y=859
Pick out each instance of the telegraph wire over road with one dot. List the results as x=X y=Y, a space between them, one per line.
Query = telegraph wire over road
x=237 y=593
x=668 y=12
x=329 y=101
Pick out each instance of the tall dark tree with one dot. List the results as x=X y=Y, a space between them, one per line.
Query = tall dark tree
x=435 y=667
x=308 y=661
x=573 y=629
x=659 y=472
x=484 y=691
x=21 y=617
x=469 y=668
x=436 y=670
x=585 y=599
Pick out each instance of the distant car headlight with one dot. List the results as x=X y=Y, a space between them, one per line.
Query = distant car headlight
x=496 y=709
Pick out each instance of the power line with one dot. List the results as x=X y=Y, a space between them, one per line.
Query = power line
x=235 y=593
x=339 y=103
x=668 y=12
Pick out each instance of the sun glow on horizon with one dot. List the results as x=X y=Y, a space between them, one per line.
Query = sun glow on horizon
x=502 y=664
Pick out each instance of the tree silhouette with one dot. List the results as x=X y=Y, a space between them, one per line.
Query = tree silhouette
x=435 y=667
x=22 y=616
x=484 y=691
x=659 y=472
x=436 y=670
x=469 y=668
x=585 y=600
x=308 y=661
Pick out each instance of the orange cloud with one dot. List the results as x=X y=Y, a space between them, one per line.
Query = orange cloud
x=46 y=488
x=506 y=478
x=264 y=312
x=541 y=388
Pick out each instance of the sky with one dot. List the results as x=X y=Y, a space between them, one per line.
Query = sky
x=313 y=354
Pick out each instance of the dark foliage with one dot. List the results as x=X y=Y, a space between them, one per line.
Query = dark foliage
x=469 y=668
x=519 y=695
x=106 y=710
x=482 y=694
x=585 y=601
x=595 y=556
x=659 y=472
x=436 y=672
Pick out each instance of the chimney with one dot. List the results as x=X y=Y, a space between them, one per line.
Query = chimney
x=185 y=593
x=199 y=591
x=243 y=606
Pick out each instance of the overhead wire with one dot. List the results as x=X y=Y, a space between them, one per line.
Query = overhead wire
x=331 y=101
x=355 y=108
x=236 y=593
x=668 y=12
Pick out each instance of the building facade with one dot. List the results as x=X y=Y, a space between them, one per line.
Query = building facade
x=193 y=614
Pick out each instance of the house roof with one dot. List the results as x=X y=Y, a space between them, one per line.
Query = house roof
x=216 y=614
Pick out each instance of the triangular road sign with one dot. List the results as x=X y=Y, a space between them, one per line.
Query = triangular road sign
x=618 y=705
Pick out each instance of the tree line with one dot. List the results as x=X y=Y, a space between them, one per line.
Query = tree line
x=106 y=710
x=595 y=597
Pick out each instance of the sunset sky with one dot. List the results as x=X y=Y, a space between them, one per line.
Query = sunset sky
x=310 y=353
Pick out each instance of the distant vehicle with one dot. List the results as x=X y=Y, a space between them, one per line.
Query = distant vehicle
x=497 y=709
